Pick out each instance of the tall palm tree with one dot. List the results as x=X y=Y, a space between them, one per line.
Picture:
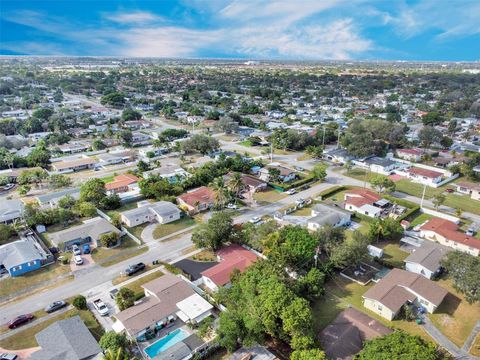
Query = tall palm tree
x=235 y=184
x=115 y=355
x=222 y=195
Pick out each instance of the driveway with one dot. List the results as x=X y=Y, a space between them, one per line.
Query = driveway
x=87 y=262
x=23 y=354
x=147 y=233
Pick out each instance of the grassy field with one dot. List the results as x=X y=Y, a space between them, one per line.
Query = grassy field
x=136 y=286
x=342 y=293
x=359 y=174
x=463 y=202
x=411 y=188
x=166 y=229
x=14 y=284
x=393 y=255
x=123 y=256
x=269 y=196
x=455 y=317
x=26 y=338
x=109 y=178
x=59 y=227
x=102 y=253
x=125 y=207
x=245 y=143
x=137 y=230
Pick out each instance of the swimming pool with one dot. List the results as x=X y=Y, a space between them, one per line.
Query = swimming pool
x=165 y=342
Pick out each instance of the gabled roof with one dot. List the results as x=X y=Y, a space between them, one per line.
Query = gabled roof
x=91 y=228
x=202 y=195
x=424 y=172
x=121 y=181
x=428 y=255
x=400 y=286
x=360 y=197
x=232 y=257
x=10 y=209
x=67 y=339
x=19 y=252
x=449 y=230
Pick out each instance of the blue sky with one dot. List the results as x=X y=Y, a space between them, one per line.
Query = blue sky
x=444 y=30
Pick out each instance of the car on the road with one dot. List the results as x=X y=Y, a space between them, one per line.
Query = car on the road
x=232 y=206
x=113 y=293
x=56 y=305
x=86 y=248
x=8 y=356
x=76 y=250
x=300 y=201
x=299 y=168
x=78 y=260
x=20 y=320
x=133 y=269
x=470 y=232
x=291 y=192
x=7 y=187
x=449 y=191
x=255 y=220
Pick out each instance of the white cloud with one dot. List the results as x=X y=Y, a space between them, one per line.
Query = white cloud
x=138 y=17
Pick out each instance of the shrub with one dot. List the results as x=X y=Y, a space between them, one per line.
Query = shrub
x=80 y=302
x=109 y=239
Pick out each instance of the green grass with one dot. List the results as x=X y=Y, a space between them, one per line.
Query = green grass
x=26 y=338
x=342 y=293
x=136 y=286
x=108 y=179
x=124 y=256
x=463 y=202
x=163 y=230
x=415 y=189
x=102 y=253
x=247 y=143
x=455 y=317
x=121 y=278
x=125 y=207
x=393 y=255
x=420 y=219
x=137 y=230
x=60 y=227
x=13 y=284
x=360 y=174
x=269 y=196
x=475 y=350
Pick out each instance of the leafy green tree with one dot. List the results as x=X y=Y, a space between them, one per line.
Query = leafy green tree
x=319 y=171
x=438 y=200
x=67 y=202
x=109 y=239
x=129 y=114
x=382 y=184
x=24 y=189
x=111 y=202
x=222 y=193
x=39 y=156
x=428 y=135
x=125 y=298
x=203 y=144
x=42 y=113
x=156 y=187
x=113 y=341
x=311 y=354
x=80 y=302
x=93 y=191
x=6 y=232
x=118 y=354
x=314 y=151
x=85 y=209
x=235 y=183
x=385 y=229
x=330 y=237
x=464 y=269
x=215 y=232
x=311 y=285
x=116 y=219
x=398 y=345
x=58 y=181
x=351 y=252
x=98 y=144
x=433 y=118
x=115 y=99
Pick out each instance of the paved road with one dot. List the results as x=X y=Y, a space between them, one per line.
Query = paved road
x=471 y=338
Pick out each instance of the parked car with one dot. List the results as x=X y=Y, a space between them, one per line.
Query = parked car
x=78 y=260
x=133 y=269
x=299 y=168
x=470 y=232
x=254 y=219
x=232 y=206
x=56 y=305
x=291 y=192
x=20 y=320
x=76 y=250
x=449 y=191
x=8 y=356
x=299 y=202
x=86 y=248
x=113 y=293
x=101 y=307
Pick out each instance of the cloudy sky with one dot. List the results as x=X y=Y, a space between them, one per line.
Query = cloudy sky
x=254 y=29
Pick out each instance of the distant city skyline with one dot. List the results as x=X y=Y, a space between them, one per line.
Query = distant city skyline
x=245 y=29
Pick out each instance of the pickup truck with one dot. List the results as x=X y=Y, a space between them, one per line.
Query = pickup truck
x=101 y=307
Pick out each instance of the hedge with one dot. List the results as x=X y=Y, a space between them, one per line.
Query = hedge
x=331 y=191
x=294 y=184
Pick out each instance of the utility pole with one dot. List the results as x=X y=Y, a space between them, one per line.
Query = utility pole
x=423 y=195
x=338 y=139
x=271 y=152
x=323 y=140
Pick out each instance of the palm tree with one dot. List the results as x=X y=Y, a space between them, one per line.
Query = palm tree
x=114 y=355
x=221 y=192
x=235 y=184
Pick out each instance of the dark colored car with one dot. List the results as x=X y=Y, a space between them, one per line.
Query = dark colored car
x=133 y=269
x=56 y=305
x=86 y=248
x=20 y=320
x=449 y=190
x=113 y=293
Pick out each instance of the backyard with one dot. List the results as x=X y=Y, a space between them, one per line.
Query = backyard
x=392 y=254
x=341 y=293
x=26 y=338
x=455 y=317
x=163 y=230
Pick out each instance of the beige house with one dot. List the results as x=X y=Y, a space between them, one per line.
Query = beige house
x=470 y=189
x=447 y=233
x=400 y=287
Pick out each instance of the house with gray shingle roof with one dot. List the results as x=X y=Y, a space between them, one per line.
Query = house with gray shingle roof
x=161 y=211
x=67 y=339
x=425 y=259
x=10 y=210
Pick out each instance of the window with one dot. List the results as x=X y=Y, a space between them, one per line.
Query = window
x=19 y=267
x=380 y=307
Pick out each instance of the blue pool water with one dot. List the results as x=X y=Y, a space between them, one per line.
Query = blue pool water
x=166 y=342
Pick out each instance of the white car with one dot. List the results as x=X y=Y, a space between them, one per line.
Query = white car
x=291 y=192
x=254 y=220
x=470 y=232
x=78 y=260
x=76 y=250
x=232 y=206
x=299 y=201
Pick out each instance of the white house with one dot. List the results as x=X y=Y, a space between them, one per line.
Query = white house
x=425 y=259
x=161 y=211
x=409 y=154
x=425 y=176
x=327 y=214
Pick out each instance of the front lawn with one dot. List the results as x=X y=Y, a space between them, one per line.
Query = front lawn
x=463 y=202
x=26 y=339
x=342 y=293
x=163 y=230
x=122 y=277
x=102 y=253
x=124 y=207
x=455 y=317
x=13 y=284
x=420 y=219
x=136 y=286
x=137 y=230
x=360 y=174
x=269 y=196
x=204 y=255
x=415 y=189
